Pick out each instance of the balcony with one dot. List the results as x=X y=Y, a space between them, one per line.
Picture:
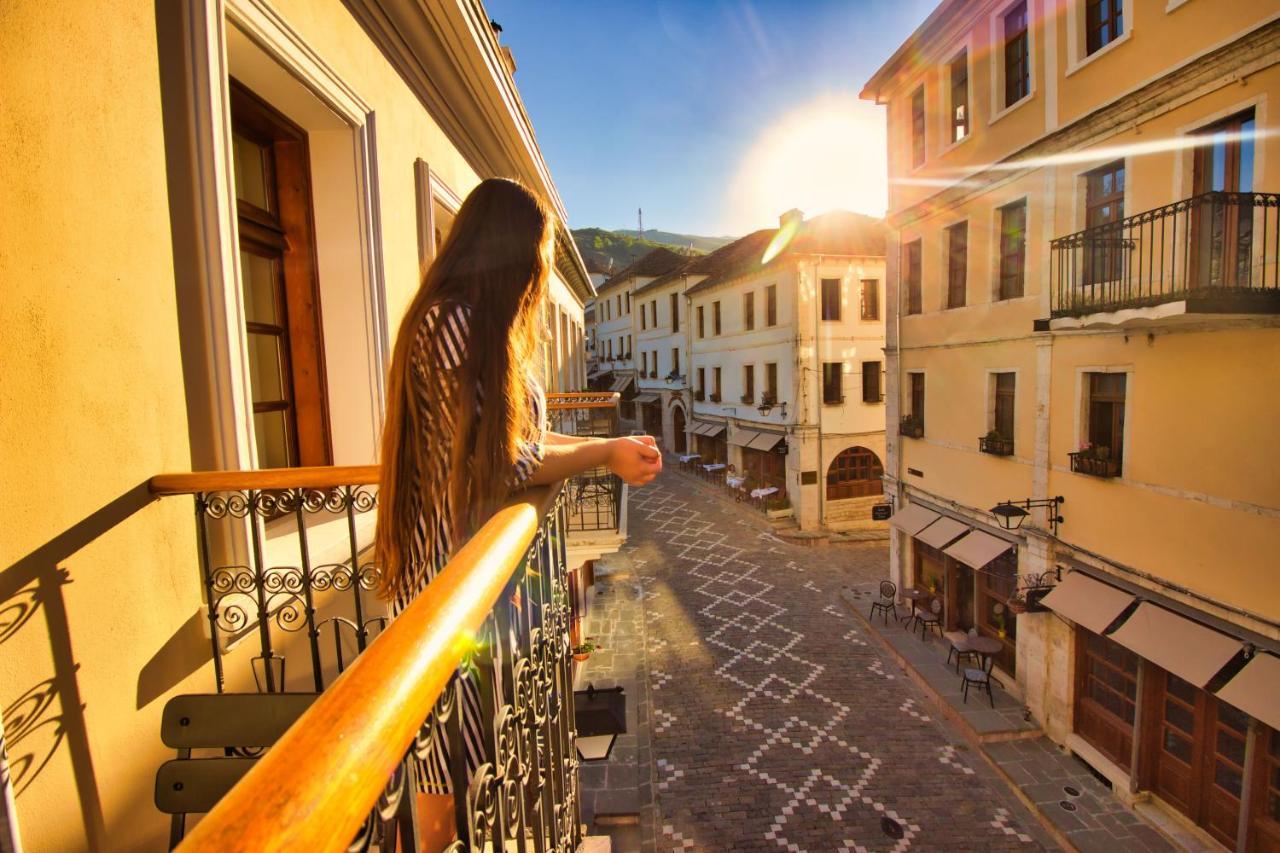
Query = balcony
x=1094 y=464
x=369 y=696
x=909 y=427
x=995 y=444
x=596 y=499
x=1212 y=254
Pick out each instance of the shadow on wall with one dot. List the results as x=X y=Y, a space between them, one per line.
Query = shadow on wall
x=49 y=715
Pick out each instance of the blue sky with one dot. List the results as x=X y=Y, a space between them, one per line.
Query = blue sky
x=668 y=104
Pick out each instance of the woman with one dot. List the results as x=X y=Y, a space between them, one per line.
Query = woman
x=464 y=425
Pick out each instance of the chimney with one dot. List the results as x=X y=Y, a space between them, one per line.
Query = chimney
x=795 y=215
x=508 y=58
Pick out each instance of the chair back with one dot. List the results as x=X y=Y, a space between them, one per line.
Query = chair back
x=888 y=590
x=936 y=606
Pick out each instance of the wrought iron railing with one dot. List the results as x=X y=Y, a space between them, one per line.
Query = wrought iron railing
x=995 y=444
x=584 y=413
x=1218 y=251
x=347 y=768
x=594 y=497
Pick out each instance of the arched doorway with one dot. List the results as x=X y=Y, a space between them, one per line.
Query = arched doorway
x=855 y=473
x=679 y=438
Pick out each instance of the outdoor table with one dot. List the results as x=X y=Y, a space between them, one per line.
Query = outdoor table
x=689 y=457
x=914 y=596
x=714 y=466
x=734 y=482
x=764 y=493
x=985 y=646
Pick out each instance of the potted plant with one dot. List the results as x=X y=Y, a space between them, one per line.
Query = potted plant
x=1094 y=460
x=910 y=427
x=995 y=444
x=997 y=619
x=583 y=650
x=778 y=507
x=1017 y=603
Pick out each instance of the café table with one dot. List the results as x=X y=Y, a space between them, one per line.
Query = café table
x=688 y=457
x=734 y=482
x=714 y=466
x=986 y=646
x=764 y=492
x=914 y=596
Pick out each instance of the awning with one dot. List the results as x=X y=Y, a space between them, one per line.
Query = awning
x=942 y=532
x=977 y=549
x=1187 y=649
x=743 y=437
x=646 y=397
x=913 y=518
x=1087 y=602
x=765 y=441
x=621 y=382
x=1256 y=689
x=597 y=372
x=710 y=430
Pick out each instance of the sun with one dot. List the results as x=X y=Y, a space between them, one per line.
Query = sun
x=826 y=155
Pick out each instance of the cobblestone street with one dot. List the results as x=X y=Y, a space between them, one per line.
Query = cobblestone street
x=776 y=721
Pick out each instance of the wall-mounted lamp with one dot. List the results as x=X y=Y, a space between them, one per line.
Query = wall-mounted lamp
x=1011 y=514
x=766 y=406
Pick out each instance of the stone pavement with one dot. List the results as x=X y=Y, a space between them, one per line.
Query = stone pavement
x=777 y=723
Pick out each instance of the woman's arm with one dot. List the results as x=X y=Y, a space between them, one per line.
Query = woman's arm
x=550 y=437
x=635 y=459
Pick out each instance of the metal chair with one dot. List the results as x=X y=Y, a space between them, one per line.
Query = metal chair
x=931 y=618
x=959 y=641
x=888 y=602
x=979 y=678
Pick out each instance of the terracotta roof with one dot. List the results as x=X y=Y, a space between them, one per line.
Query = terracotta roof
x=837 y=233
x=653 y=263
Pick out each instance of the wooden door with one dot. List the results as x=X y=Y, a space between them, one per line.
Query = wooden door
x=1264 y=828
x=855 y=473
x=1222 y=223
x=678 y=426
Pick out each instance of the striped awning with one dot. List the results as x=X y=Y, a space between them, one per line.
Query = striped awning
x=708 y=429
x=977 y=549
x=765 y=441
x=621 y=382
x=743 y=437
x=646 y=397
x=943 y=532
x=1087 y=602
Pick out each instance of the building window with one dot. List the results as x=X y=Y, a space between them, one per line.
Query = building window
x=915 y=302
x=917 y=127
x=832 y=390
x=1106 y=695
x=675 y=312
x=771 y=305
x=957 y=264
x=749 y=310
x=749 y=383
x=1017 y=55
x=960 y=97
x=701 y=322
x=771 y=381
x=1104 y=209
x=644 y=364
x=871 y=382
x=855 y=473
x=1106 y=416
x=715 y=318
x=628 y=346
x=831 y=299
x=675 y=361
x=653 y=313
x=870 y=299
x=701 y=391
x=715 y=385
x=917 y=399
x=609 y=346
x=280 y=287
x=618 y=304
x=1002 y=419
x=1103 y=22
x=643 y=318
x=1013 y=249
x=628 y=302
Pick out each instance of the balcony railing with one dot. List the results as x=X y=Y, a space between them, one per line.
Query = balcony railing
x=995 y=444
x=1094 y=465
x=1217 y=251
x=910 y=427
x=342 y=776
x=594 y=497
x=586 y=413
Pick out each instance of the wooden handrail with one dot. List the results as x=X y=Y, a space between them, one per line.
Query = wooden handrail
x=561 y=401
x=321 y=477
x=314 y=788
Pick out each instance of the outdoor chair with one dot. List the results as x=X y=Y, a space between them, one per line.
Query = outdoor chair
x=931 y=618
x=888 y=602
x=959 y=641
x=979 y=678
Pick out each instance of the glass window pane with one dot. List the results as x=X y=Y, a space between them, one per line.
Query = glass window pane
x=265 y=369
x=251 y=171
x=1227 y=778
x=1177 y=715
x=1176 y=746
x=1231 y=747
x=271 y=434
x=259 y=276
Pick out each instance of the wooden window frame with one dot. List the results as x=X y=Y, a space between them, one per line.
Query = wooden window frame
x=1016 y=53
x=1094 y=721
x=675 y=312
x=718 y=390
x=912 y=261
x=957 y=264
x=1109 y=422
x=771 y=380
x=288 y=236
x=870 y=299
x=675 y=361
x=1104 y=209
x=1103 y=24
x=829 y=289
x=917 y=391
x=749 y=310
x=871 y=392
x=771 y=306
x=960 y=113
x=1013 y=251
x=715 y=318
x=702 y=325
x=917 y=128
x=842 y=474
x=1004 y=403
x=828 y=399
x=748 y=383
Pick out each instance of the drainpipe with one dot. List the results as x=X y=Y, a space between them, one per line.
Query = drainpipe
x=817 y=358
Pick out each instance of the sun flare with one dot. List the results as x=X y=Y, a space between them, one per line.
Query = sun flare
x=828 y=154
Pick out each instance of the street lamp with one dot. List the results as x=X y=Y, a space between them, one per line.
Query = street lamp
x=766 y=406
x=599 y=716
x=1011 y=514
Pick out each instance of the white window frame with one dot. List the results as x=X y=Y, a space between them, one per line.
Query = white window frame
x=944 y=73
x=1082 y=408
x=998 y=108
x=1077 y=37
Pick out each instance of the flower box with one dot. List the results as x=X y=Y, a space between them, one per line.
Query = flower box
x=1085 y=462
x=911 y=428
x=715 y=398
x=996 y=445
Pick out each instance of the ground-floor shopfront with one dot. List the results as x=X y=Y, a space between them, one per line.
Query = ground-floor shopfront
x=1182 y=709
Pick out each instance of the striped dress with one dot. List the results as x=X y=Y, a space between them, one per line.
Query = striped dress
x=442 y=338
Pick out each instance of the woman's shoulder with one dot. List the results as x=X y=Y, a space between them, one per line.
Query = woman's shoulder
x=444 y=330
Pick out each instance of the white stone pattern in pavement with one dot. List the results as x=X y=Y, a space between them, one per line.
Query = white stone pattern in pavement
x=782 y=766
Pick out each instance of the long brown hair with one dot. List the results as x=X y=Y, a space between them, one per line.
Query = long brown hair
x=494 y=263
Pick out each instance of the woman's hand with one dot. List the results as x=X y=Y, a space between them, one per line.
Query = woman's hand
x=634 y=458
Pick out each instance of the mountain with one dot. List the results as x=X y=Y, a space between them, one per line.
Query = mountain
x=670 y=238
x=609 y=251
